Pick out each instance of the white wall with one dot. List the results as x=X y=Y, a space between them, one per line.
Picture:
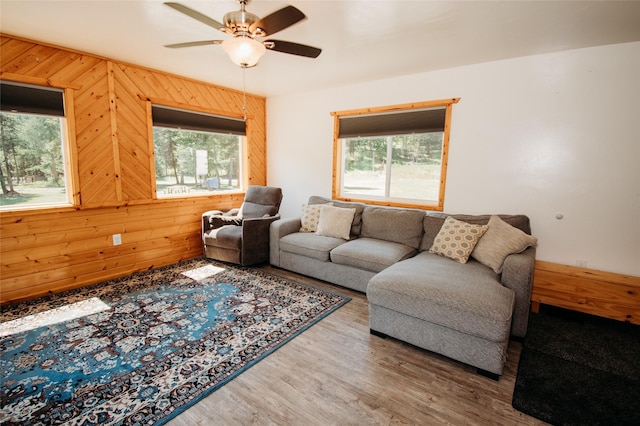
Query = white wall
x=539 y=135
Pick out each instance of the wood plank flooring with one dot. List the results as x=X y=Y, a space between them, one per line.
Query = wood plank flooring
x=336 y=373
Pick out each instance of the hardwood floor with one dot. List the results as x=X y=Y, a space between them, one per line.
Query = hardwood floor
x=336 y=373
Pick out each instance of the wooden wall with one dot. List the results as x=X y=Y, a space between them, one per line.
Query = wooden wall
x=594 y=292
x=111 y=154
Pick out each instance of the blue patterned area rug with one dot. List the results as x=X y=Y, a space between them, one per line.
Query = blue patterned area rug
x=164 y=339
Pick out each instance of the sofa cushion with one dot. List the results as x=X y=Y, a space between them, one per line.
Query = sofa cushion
x=357 y=217
x=310 y=217
x=500 y=240
x=433 y=223
x=310 y=245
x=456 y=240
x=335 y=221
x=227 y=236
x=370 y=254
x=402 y=226
x=465 y=297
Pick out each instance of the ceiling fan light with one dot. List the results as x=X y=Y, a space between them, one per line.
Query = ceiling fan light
x=244 y=51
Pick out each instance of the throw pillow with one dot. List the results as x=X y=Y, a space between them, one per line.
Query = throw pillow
x=335 y=221
x=500 y=240
x=456 y=239
x=310 y=217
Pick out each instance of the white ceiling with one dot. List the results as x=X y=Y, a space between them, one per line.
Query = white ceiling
x=361 y=40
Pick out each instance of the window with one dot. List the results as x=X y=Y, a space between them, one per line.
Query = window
x=196 y=153
x=33 y=170
x=394 y=155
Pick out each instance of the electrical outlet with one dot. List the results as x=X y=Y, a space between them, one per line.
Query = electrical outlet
x=582 y=263
x=117 y=239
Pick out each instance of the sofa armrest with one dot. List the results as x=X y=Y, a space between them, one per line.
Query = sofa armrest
x=278 y=230
x=517 y=274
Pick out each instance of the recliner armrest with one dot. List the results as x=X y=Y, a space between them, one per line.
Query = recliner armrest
x=258 y=224
x=219 y=221
x=255 y=239
x=214 y=219
x=209 y=213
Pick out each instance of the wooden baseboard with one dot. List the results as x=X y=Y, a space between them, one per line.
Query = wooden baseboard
x=591 y=291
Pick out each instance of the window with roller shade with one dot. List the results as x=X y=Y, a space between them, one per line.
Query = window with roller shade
x=394 y=155
x=34 y=170
x=196 y=153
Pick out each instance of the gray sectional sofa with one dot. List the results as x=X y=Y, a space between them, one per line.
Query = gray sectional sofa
x=417 y=292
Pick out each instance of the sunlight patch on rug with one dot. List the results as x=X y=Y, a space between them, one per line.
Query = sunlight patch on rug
x=54 y=316
x=203 y=272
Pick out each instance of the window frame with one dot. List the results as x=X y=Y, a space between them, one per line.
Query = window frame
x=243 y=178
x=67 y=140
x=338 y=159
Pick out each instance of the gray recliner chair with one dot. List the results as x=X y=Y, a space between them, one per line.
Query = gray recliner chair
x=241 y=236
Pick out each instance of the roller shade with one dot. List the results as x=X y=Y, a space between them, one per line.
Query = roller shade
x=396 y=123
x=190 y=120
x=24 y=98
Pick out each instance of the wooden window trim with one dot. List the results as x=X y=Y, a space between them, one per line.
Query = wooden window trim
x=244 y=145
x=337 y=150
x=69 y=145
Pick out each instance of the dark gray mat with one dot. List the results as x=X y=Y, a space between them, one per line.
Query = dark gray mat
x=578 y=369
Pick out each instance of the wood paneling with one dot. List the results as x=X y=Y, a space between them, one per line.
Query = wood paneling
x=95 y=153
x=133 y=131
x=51 y=250
x=595 y=292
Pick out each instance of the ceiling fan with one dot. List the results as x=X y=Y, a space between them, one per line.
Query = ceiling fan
x=245 y=48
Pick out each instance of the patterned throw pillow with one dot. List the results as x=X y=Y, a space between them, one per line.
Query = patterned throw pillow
x=500 y=240
x=456 y=239
x=310 y=217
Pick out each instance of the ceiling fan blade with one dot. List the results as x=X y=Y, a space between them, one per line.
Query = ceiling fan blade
x=193 y=43
x=278 y=20
x=195 y=15
x=293 y=48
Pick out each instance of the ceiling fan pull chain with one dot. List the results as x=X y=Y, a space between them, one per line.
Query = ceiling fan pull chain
x=244 y=93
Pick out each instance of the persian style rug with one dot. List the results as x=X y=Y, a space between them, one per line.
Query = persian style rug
x=579 y=369
x=142 y=349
